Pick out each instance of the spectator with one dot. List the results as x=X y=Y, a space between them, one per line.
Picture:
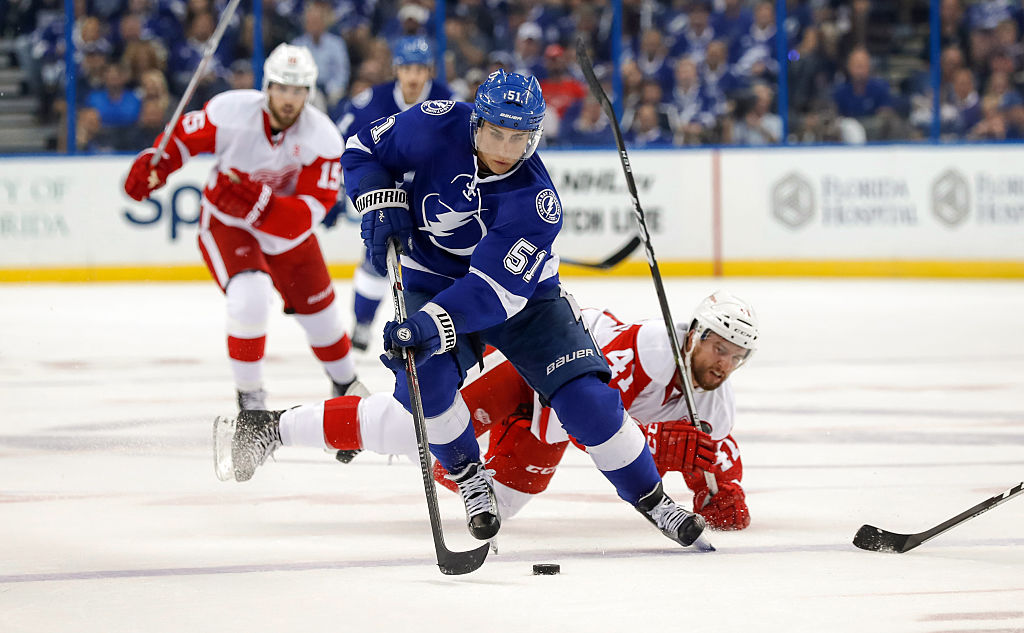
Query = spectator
x=328 y=51
x=141 y=56
x=411 y=20
x=753 y=122
x=864 y=97
x=158 y=21
x=91 y=71
x=90 y=137
x=716 y=74
x=954 y=30
x=153 y=118
x=650 y=94
x=693 y=40
x=185 y=55
x=1006 y=37
x=695 y=107
x=752 y=54
x=651 y=58
x=1015 y=121
x=528 y=48
x=586 y=125
x=586 y=22
x=992 y=125
x=646 y=130
x=853 y=22
x=1001 y=61
x=240 y=75
x=964 y=98
x=117 y=106
x=467 y=42
x=210 y=83
x=561 y=90
x=153 y=87
x=732 y=21
x=1001 y=87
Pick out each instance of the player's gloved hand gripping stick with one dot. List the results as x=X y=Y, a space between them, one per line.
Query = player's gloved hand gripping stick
x=451 y=563
x=153 y=165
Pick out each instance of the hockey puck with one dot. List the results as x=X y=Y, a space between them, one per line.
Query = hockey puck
x=546 y=569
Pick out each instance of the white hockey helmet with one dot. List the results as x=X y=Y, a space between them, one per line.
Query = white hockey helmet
x=290 y=66
x=728 y=316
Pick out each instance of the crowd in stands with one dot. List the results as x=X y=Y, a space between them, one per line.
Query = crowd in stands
x=693 y=71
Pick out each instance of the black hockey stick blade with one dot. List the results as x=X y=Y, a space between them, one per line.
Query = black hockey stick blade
x=875 y=539
x=458 y=563
x=611 y=261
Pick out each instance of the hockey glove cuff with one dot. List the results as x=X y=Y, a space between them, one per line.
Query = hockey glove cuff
x=427 y=332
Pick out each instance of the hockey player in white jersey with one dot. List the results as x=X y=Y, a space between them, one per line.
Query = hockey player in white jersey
x=526 y=442
x=277 y=172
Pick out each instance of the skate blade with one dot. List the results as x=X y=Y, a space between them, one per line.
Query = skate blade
x=702 y=544
x=223 y=433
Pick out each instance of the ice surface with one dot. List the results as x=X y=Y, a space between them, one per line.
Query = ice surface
x=895 y=403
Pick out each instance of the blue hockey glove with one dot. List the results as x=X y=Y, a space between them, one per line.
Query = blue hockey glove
x=425 y=333
x=385 y=213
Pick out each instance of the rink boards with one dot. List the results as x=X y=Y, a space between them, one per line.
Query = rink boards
x=921 y=211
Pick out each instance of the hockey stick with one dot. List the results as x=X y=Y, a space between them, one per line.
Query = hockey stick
x=211 y=47
x=878 y=540
x=610 y=261
x=682 y=364
x=451 y=563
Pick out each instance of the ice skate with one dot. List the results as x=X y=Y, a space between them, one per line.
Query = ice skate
x=252 y=400
x=361 y=336
x=354 y=388
x=482 y=515
x=680 y=525
x=241 y=445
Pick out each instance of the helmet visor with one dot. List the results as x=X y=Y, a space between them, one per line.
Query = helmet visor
x=503 y=148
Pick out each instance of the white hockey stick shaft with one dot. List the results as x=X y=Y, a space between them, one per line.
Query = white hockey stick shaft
x=211 y=47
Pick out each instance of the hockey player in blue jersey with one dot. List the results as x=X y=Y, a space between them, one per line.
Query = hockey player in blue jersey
x=414 y=83
x=477 y=224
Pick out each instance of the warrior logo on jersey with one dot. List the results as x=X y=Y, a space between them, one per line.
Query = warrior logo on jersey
x=437 y=107
x=548 y=207
x=453 y=228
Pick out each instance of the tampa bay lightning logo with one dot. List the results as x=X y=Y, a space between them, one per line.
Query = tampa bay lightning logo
x=548 y=207
x=437 y=107
x=451 y=228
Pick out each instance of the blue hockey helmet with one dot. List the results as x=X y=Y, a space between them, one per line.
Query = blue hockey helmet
x=412 y=50
x=511 y=101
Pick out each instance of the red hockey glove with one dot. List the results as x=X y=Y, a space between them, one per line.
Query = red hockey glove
x=143 y=179
x=727 y=510
x=678 y=445
x=239 y=195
